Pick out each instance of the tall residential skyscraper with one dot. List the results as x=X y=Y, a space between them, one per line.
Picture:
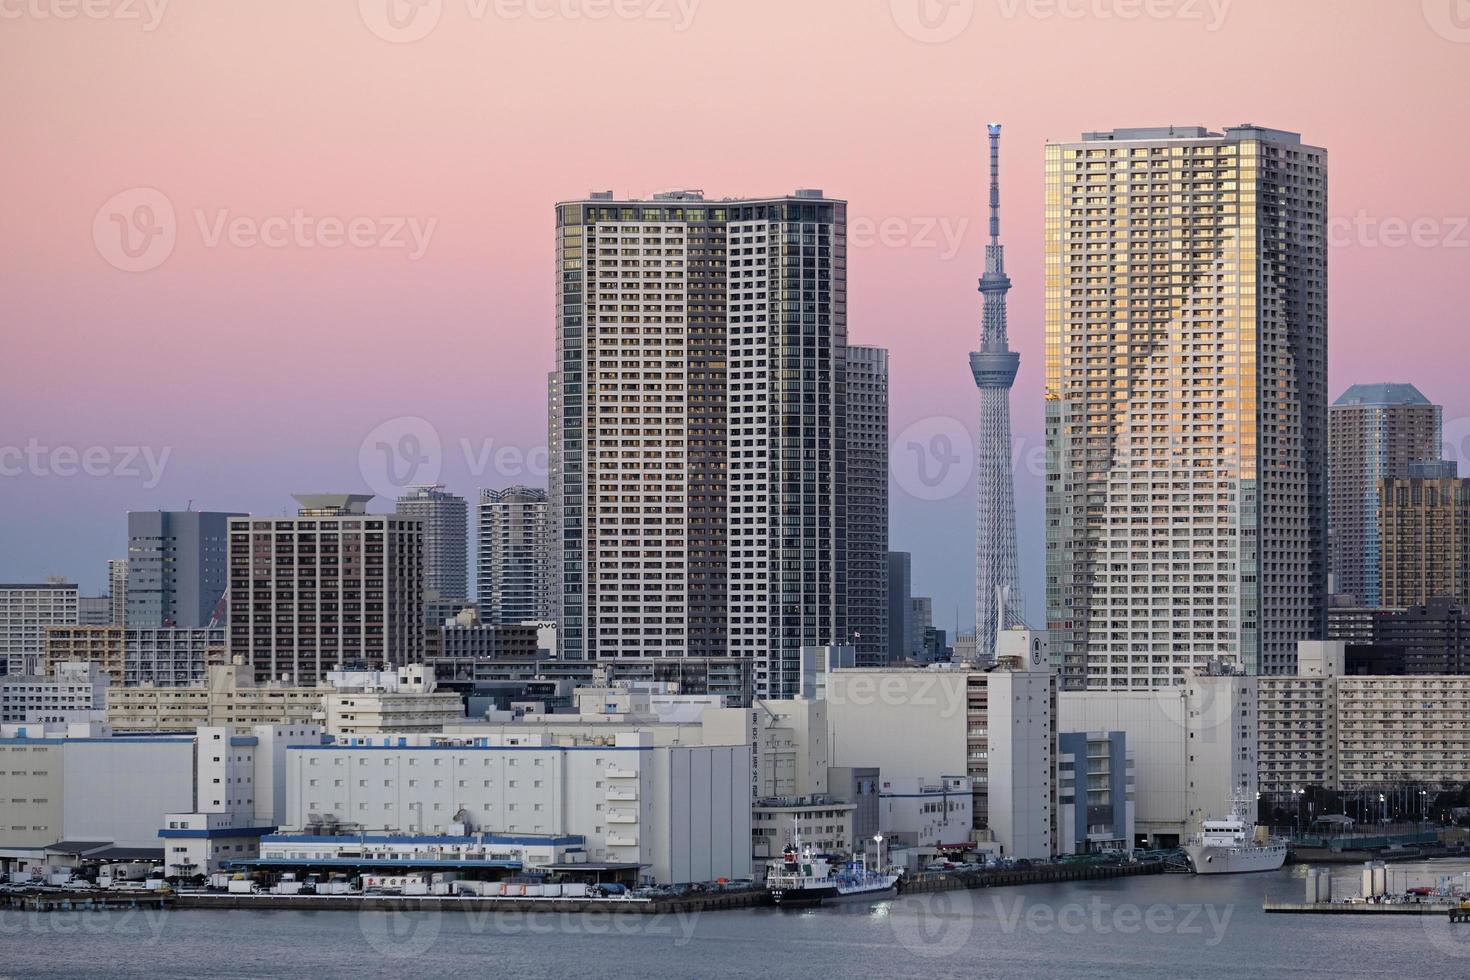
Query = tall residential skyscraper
x=698 y=445
x=998 y=602
x=513 y=555
x=331 y=588
x=1186 y=405
x=867 y=503
x=1425 y=540
x=1374 y=431
x=177 y=568
x=446 y=538
x=25 y=612
x=117 y=591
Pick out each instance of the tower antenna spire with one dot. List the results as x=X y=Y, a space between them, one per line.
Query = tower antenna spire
x=994 y=130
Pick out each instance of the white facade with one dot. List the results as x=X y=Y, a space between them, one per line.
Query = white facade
x=240 y=785
x=677 y=810
x=72 y=692
x=25 y=612
x=927 y=814
x=679 y=449
x=401 y=700
x=789 y=740
x=996 y=727
x=1194 y=746
x=1324 y=728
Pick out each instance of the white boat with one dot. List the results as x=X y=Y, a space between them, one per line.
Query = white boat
x=804 y=878
x=1235 y=845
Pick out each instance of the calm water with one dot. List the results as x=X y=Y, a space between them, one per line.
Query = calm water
x=1159 y=926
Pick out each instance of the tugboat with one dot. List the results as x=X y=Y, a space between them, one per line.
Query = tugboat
x=801 y=878
x=1235 y=844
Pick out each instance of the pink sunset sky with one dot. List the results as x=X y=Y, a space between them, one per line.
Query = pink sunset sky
x=259 y=356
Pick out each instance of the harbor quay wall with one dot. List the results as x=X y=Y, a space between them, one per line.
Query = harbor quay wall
x=1040 y=874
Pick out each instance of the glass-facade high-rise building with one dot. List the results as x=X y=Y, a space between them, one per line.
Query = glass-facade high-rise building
x=1374 y=432
x=1186 y=406
x=514 y=570
x=699 y=429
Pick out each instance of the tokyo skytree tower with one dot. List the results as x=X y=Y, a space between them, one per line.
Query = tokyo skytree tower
x=998 y=602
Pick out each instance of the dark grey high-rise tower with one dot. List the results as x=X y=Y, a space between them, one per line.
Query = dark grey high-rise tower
x=177 y=566
x=998 y=603
x=899 y=604
x=446 y=538
x=867 y=503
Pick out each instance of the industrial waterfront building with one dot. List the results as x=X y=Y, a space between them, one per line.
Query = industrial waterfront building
x=679 y=812
x=1193 y=746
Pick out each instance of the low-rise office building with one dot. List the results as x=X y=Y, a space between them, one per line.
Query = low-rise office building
x=927 y=817
x=164 y=656
x=230 y=697
x=380 y=702
x=1095 y=792
x=822 y=823
x=70 y=692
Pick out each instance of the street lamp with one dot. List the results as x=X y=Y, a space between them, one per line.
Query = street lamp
x=878 y=839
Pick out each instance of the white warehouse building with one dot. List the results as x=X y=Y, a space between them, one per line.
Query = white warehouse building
x=1193 y=746
x=681 y=813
